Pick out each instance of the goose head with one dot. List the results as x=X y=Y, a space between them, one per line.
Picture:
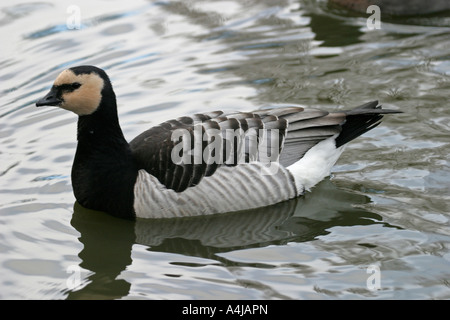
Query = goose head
x=79 y=89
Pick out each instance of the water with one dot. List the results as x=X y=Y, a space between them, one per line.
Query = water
x=386 y=206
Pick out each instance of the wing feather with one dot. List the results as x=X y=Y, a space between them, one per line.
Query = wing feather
x=213 y=139
x=207 y=142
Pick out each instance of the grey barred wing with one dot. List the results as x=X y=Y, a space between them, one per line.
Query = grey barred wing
x=181 y=152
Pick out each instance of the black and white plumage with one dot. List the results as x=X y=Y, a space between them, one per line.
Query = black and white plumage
x=202 y=164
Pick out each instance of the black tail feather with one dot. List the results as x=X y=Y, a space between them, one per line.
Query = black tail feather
x=360 y=120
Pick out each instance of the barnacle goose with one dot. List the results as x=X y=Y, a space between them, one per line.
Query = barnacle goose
x=207 y=163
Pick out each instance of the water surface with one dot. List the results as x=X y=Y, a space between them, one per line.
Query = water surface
x=386 y=204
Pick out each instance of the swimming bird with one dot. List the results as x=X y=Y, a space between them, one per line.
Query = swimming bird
x=205 y=163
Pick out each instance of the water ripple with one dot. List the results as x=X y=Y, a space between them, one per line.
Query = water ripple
x=387 y=204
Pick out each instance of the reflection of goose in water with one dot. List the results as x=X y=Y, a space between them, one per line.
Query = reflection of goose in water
x=108 y=241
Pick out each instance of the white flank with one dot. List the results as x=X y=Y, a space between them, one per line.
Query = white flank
x=316 y=164
x=243 y=187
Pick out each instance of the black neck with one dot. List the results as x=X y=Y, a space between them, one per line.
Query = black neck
x=103 y=172
x=103 y=122
x=98 y=126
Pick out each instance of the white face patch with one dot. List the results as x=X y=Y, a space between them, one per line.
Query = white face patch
x=84 y=100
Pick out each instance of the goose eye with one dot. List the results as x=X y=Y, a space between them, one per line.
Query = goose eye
x=75 y=85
